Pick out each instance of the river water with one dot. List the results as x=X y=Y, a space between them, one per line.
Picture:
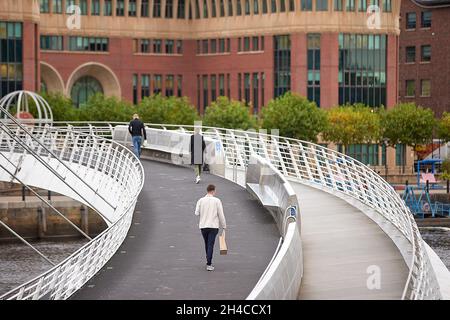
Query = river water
x=18 y=263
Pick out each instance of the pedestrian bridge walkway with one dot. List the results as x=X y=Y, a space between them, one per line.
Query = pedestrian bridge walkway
x=163 y=254
x=304 y=221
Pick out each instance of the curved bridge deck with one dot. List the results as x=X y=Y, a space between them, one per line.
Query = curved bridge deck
x=163 y=255
x=339 y=243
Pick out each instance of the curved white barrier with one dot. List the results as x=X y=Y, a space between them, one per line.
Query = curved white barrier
x=100 y=173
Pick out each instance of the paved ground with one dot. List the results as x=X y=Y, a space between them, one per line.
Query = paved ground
x=163 y=255
x=339 y=244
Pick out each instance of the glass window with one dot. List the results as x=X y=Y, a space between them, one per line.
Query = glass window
x=313 y=62
x=255 y=43
x=400 y=155
x=387 y=5
x=338 y=5
x=145 y=8
x=145 y=86
x=282 y=65
x=425 y=86
x=362 y=6
x=264 y=6
x=238 y=8
x=213 y=8
x=88 y=44
x=120 y=8
x=169 y=9
x=132 y=8
x=247 y=88
x=157 y=46
x=170 y=85
x=410 y=20
x=11 y=58
x=205 y=92
x=306 y=5
x=321 y=5
x=180 y=46
x=44 y=6
x=57 y=6
x=221 y=85
x=213 y=87
x=365 y=153
x=135 y=88
x=222 y=8
x=156 y=8
x=246 y=43
x=83 y=89
x=213 y=45
x=221 y=45
x=95 y=7
x=350 y=5
x=205 y=9
x=255 y=6
x=205 y=46
x=362 y=69
x=255 y=85
x=426 y=19
x=169 y=46
x=247 y=7
x=145 y=45
x=410 y=54
x=230 y=8
x=84 y=7
x=157 y=84
x=108 y=8
x=181 y=9
x=197 y=9
x=51 y=43
x=179 y=85
x=273 y=6
x=426 y=53
x=282 y=5
x=410 y=88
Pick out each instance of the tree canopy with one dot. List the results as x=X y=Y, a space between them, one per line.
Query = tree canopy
x=225 y=113
x=294 y=116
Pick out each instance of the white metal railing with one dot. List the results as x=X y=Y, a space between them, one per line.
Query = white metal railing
x=101 y=173
x=313 y=164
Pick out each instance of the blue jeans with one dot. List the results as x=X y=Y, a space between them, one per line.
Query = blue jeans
x=137 y=141
x=209 y=235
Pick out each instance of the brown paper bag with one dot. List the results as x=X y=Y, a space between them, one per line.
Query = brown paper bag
x=223 y=244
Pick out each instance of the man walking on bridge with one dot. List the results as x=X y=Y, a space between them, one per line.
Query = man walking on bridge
x=137 y=130
x=210 y=210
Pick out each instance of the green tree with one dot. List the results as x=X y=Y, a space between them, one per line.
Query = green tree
x=167 y=110
x=101 y=108
x=224 y=113
x=444 y=127
x=352 y=124
x=294 y=116
x=62 y=107
x=408 y=124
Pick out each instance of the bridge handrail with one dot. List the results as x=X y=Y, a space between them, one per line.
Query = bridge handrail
x=282 y=278
x=317 y=165
x=122 y=177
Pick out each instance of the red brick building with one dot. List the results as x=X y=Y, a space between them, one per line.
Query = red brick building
x=425 y=54
x=252 y=50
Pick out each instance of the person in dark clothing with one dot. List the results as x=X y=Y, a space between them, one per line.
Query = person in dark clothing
x=197 y=147
x=137 y=130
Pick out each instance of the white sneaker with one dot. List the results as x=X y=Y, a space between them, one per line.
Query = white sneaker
x=209 y=268
x=197 y=180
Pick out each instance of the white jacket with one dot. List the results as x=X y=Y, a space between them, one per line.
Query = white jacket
x=210 y=210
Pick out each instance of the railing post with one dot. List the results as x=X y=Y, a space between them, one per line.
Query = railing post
x=448 y=186
x=23 y=193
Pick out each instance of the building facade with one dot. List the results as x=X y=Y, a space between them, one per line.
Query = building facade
x=425 y=54
x=330 y=51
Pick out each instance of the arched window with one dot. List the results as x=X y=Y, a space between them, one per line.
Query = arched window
x=83 y=89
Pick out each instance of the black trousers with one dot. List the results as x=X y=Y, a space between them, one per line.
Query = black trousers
x=209 y=235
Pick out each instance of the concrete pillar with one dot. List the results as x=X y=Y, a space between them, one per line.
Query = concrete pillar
x=299 y=67
x=31 y=52
x=42 y=222
x=84 y=213
x=329 y=70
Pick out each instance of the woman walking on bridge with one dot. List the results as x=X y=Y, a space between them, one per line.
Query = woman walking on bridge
x=197 y=147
